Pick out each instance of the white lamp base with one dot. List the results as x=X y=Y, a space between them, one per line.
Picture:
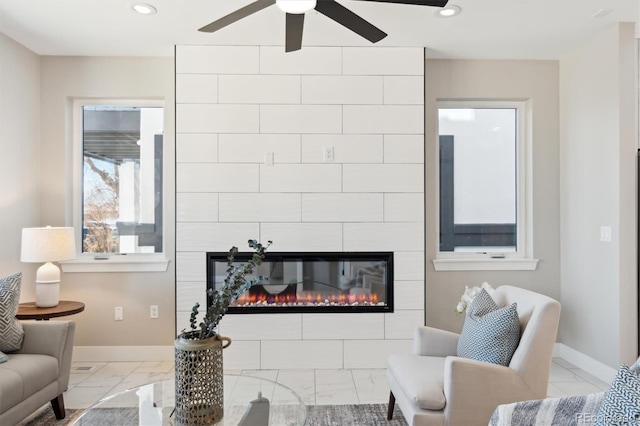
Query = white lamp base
x=47 y=286
x=47 y=294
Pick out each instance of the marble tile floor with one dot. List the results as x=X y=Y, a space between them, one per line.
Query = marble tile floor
x=92 y=381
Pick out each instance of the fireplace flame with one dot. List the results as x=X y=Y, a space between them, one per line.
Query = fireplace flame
x=307 y=298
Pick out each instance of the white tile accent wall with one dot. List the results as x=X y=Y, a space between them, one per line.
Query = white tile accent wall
x=234 y=105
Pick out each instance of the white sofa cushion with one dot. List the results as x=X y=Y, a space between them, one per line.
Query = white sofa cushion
x=427 y=393
x=24 y=375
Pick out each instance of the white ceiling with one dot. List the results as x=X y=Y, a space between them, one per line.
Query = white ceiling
x=515 y=29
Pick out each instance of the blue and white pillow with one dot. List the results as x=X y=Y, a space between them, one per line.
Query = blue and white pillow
x=490 y=333
x=3 y=357
x=621 y=405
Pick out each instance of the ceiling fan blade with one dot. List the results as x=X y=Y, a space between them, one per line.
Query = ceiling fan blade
x=435 y=3
x=350 y=20
x=243 y=12
x=293 y=36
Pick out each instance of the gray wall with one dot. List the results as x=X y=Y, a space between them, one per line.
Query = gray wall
x=598 y=187
x=536 y=81
x=19 y=153
x=65 y=78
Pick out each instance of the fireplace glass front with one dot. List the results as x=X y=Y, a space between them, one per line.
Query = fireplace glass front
x=312 y=282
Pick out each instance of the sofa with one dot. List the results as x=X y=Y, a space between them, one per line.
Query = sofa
x=38 y=372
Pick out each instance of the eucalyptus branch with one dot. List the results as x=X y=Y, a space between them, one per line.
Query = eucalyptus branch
x=235 y=284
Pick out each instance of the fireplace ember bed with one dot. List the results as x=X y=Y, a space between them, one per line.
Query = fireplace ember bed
x=311 y=282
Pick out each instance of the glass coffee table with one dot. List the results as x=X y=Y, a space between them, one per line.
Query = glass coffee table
x=244 y=405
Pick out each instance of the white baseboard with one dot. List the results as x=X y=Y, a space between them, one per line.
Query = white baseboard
x=584 y=362
x=122 y=353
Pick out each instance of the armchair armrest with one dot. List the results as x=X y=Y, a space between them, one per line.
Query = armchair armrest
x=473 y=389
x=54 y=338
x=429 y=341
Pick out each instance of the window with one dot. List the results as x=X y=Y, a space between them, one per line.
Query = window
x=481 y=213
x=119 y=168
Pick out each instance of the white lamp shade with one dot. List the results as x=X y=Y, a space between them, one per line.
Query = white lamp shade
x=48 y=244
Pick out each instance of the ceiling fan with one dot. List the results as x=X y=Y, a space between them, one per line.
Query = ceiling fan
x=295 y=10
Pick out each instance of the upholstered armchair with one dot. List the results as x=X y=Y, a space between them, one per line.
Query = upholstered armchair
x=433 y=386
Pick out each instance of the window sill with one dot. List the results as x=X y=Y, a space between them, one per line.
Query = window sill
x=513 y=264
x=118 y=263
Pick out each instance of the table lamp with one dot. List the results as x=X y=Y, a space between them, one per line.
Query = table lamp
x=48 y=244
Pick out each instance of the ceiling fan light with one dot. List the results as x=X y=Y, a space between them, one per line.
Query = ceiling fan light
x=296 y=6
x=448 y=11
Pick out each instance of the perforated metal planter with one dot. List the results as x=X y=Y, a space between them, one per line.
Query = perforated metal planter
x=199 y=380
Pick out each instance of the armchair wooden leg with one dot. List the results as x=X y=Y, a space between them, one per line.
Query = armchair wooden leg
x=57 y=404
x=392 y=403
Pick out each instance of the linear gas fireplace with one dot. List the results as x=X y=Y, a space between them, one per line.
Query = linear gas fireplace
x=312 y=282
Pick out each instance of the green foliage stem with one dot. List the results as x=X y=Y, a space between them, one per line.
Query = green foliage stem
x=235 y=284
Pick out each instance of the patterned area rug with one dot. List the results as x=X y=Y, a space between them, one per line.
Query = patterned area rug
x=317 y=415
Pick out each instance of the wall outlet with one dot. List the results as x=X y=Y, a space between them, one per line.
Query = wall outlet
x=153 y=311
x=119 y=313
x=268 y=158
x=328 y=154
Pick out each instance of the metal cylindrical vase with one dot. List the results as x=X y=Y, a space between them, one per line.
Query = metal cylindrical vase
x=199 y=380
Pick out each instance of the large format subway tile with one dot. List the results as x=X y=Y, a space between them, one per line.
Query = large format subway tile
x=217 y=59
x=303 y=236
x=196 y=88
x=301 y=178
x=396 y=119
x=251 y=148
x=262 y=327
x=404 y=207
x=197 y=207
x=346 y=148
x=190 y=266
x=242 y=355
x=408 y=294
x=408 y=265
x=259 y=89
x=215 y=177
x=373 y=353
x=341 y=207
x=260 y=207
x=383 y=61
x=300 y=119
x=310 y=60
x=404 y=149
x=401 y=324
x=342 y=326
x=301 y=354
x=191 y=293
x=338 y=90
x=214 y=236
x=217 y=118
x=383 y=178
x=196 y=148
x=404 y=90
x=384 y=236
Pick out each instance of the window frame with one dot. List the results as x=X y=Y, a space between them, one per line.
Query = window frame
x=521 y=259
x=107 y=262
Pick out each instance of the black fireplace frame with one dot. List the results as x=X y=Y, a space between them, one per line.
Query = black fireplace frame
x=241 y=257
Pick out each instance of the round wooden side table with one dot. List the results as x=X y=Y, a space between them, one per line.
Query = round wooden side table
x=29 y=310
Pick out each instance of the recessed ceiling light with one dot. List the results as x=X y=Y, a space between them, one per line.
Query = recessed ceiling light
x=144 y=9
x=448 y=11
